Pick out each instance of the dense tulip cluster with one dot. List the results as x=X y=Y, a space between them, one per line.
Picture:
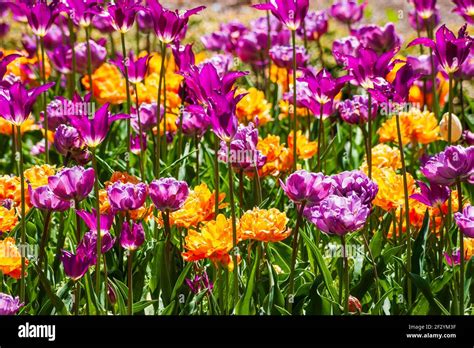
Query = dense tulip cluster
x=145 y=159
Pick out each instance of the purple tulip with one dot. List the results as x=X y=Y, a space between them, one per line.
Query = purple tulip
x=126 y=196
x=468 y=137
x=421 y=64
x=43 y=198
x=195 y=120
x=81 y=12
x=453 y=259
x=41 y=17
x=4 y=61
x=450 y=50
x=465 y=8
x=308 y=188
x=4 y=29
x=73 y=183
x=344 y=47
x=356 y=110
x=75 y=265
x=200 y=282
x=282 y=56
x=433 y=195
x=204 y=82
x=169 y=24
x=222 y=62
x=67 y=140
x=291 y=13
x=88 y=244
x=465 y=221
x=214 y=41
x=94 y=130
x=16 y=102
x=103 y=23
x=226 y=38
x=279 y=34
x=168 y=194
x=55 y=37
x=251 y=48
x=420 y=24
x=316 y=25
x=455 y=162
x=137 y=68
x=466 y=70
x=132 y=237
x=57 y=115
x=98 y=55
x=29 y=44
x=348 y=11
x=243 y=155
x=59 y=58
x=355 y=183
x=425 y=9
x=145 y=21
x=9 y=305
x=147 y=117
x=121 y=14
x=379 y=39
x=398 y=90
x=135 y=145
x=324 y=89
x=367 y=68
x=303 y=96
x=183 y=56
x=222 y=111
x=336 y=215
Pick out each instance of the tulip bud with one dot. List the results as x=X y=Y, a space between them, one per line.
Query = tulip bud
x=354 y=305
x=469 y=137
x=456 y=127
x=111 y=294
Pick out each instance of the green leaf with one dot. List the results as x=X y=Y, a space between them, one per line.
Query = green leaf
x=376 y=244
x=141 y=305
x=419 y=247
x=328 y=281
x=244 y=306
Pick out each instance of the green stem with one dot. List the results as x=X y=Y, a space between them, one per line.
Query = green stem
x=450 y=116
x=23 y=215
x=130 y=283
x=158 y=113
x=369 y=138
x=44 y=237
x=216 y=175
x=77 y=295
x=294 y=255
x=320 y=135
x=89 y=60
x=127 y=86
x=295 y=121
x=461 y=247
x=407 y=207
x=234 y=227
x=140 y=129
x=435 y=105
x=72 y=43
x=346 y=276
x=99 y=234
x=321 y=54
x=45 y=114
x=14 y=149
x=196 y=144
